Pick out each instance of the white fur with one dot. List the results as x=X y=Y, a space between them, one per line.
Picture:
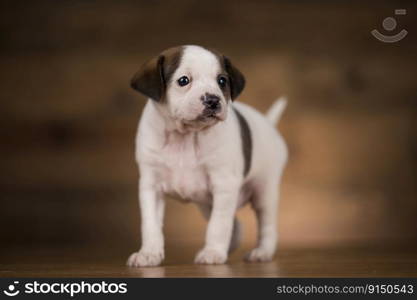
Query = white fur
x=204 y=164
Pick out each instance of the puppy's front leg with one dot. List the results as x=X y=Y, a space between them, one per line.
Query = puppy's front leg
x=152 y=211
x=220 y=226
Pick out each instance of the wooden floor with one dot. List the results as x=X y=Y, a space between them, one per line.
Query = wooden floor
x=335 y=262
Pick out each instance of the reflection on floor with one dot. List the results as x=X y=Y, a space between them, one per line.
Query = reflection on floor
x=334 y=262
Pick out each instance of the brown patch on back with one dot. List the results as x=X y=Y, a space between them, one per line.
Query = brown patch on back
x=153 y=77
x=246 y=137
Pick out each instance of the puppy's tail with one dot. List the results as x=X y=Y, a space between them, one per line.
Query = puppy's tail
x=275 y=111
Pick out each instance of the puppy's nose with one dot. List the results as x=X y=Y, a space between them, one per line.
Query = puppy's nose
x=211 y=101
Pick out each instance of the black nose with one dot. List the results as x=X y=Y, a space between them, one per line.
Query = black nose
x=211 y=102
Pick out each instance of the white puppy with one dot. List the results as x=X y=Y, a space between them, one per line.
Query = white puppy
x=195 y=143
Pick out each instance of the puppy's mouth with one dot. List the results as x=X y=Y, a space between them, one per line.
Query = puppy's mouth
x=205 y=119
x=210 y=115
x=202 y=120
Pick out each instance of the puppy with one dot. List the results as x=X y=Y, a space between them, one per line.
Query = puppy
x=196 y=143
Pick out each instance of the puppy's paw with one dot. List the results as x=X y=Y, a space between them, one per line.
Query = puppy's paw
x=259 y=255
x=145 y=258
x=209 y=256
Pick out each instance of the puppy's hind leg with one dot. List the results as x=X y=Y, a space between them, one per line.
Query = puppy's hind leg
x=237 y=227
x=265 y=204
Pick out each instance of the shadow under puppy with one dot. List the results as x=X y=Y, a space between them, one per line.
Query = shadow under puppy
x=196 y=143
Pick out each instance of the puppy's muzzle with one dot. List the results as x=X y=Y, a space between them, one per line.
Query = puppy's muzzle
x=211 y=104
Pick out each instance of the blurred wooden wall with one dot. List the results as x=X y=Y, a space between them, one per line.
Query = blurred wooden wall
x=68 y=116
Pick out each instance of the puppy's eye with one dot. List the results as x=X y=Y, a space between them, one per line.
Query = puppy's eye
x=222 y=81
x=184 y=80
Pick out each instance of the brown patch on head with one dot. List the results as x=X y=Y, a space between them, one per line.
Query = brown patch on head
x=153 y=77
x=235 y=79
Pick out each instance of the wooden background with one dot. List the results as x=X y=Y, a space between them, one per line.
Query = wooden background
x=68 y=117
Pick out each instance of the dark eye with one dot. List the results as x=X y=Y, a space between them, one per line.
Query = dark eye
x=222 y=81
x=183 y=81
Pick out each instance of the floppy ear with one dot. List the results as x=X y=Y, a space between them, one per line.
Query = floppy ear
x=236 y=78
x=150 y=79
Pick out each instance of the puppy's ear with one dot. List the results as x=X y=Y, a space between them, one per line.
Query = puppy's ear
x=150 y=80
x=236 y=78
x=154 y=76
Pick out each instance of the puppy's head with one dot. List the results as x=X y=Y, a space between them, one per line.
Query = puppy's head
x=193 y=85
